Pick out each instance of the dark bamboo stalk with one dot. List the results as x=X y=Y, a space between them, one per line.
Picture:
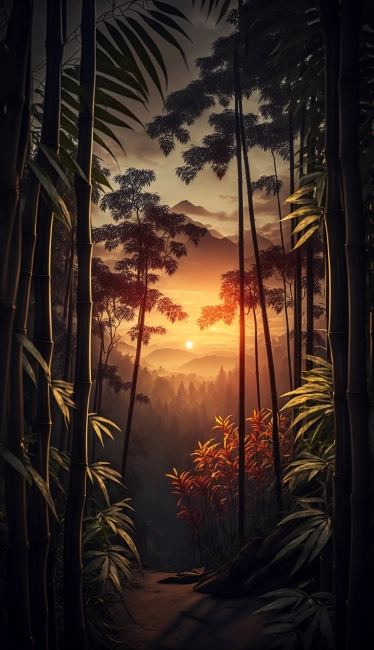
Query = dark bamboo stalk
x=68 y=342
x=134 y=382
x=337 y=319
x=73 y=605
x=358 y=615
x=269 y=351
x=14 y=140
x=39 y=531
x=96 y=408
x=309 y=303
x=297 y=354
x=241 y=469
x=283 y=276
x=256 y=360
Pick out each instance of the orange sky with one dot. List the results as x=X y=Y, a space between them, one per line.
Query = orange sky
x=216 y=196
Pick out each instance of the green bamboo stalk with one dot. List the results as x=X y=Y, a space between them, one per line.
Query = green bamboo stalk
x=241 y=469
x=73 y=604
x=265 y=321
x=349 y=113
x=256 y=360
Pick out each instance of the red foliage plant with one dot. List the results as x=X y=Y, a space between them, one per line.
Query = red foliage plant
x=208 y=495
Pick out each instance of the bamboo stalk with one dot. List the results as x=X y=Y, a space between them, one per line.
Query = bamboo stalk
x=269 y=351
x=241 y=469
x=39 y=530
x=283 y=277
x=297 y=354
x=256 y=360
x=12 y=137
x=12 y=428
x=73 y=605
x=349 y=107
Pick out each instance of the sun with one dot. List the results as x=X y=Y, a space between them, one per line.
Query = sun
x=189 y=344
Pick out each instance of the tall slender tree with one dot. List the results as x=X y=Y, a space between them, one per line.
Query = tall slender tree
x=241 y=468
x=73 y=605
x=265 y=321
x=349 y=119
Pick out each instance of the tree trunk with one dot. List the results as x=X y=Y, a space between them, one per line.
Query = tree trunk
x=134 y=382
x=256 y=361
x=69 y=337
x=283 y=277
x=269 y=351
x=297 y=326
x=39 y=531
x=241 y=469
x=358 y=615
x=73 y=604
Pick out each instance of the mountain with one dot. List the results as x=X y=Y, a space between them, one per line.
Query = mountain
x=209 y=365
x=168 y=358
x=186 y=207
x=125 y=348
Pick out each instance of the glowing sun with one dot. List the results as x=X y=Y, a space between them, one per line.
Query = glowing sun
x=189 y=344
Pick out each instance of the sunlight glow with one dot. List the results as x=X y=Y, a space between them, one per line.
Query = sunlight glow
x=189 y=344
x=213 y=328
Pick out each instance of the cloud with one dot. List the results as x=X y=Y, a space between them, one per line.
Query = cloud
x=228 y=197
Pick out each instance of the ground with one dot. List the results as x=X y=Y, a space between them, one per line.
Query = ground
x=175 y=617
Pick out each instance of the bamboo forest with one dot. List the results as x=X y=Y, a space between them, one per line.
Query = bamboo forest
x=187 y=324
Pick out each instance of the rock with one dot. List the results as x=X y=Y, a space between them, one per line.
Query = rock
x=228 y=581
x=185 y=578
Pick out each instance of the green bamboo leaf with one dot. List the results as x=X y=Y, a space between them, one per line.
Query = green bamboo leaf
x=101 y=126
x=308 y=209
x=322 y=540
x=169 y=22
x=115 y=580
x=108 y=101
x=105 y=66
x=102 y=144
x=55 y=162
x=305 y=237
x=223 y=11
x=45 y=181
x=43 y=487
x=318 y=361
x=291 y=545
x=108 y=118
x=326 y=627
x=308 y=548
x=142 y=53
x=310 y=631
x=26 y=365
x=161 y=31
x=169 y=9
x=68 y=126
x=98 y=176
x=104 y=571
x=126 y=538
x=107 y=84
x=150 y=45
x=30 y=347
x=94 y=564
x=278 y=604
x=98 y=432
x=15 y=462
x=301 y=513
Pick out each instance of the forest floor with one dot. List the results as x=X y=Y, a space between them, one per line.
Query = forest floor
x=175 y=617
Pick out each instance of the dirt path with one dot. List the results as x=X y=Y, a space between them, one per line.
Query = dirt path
x=175 y=617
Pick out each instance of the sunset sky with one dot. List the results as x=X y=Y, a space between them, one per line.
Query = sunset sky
x=217 y=197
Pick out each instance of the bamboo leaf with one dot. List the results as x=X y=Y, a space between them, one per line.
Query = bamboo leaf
x=55 y=162
x=15 y=462
x=98 y=176
x=161 y=31
x=169 y=22
x=278 y=604
x=58 y=204
x=300 y=193
x=108 y=101
x=305 y=237
x=43 y=487
x=150 y=44
x=102 y=144
x=112 y=86
x=169 y=9
x=141 y=52
x=26 y=365
x=30 y=347
x=306 y=222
